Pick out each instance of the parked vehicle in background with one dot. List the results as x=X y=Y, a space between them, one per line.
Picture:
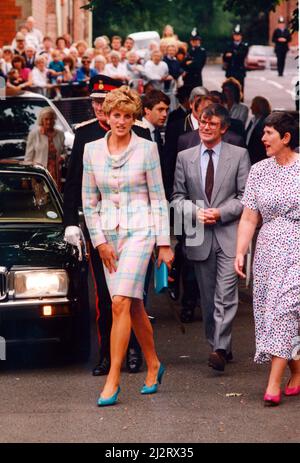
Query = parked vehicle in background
x=142 y=41
x=43 y=283
x=261 y=57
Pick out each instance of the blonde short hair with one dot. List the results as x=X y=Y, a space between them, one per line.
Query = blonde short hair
x=45 y=112
x=123 y=99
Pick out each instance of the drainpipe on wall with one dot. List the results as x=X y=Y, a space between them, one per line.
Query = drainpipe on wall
x=59 y=18
x=90 y=29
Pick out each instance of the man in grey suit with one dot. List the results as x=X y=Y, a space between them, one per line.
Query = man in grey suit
x=210 y=179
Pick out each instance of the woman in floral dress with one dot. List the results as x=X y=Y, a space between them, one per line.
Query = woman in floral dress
x=273 y=195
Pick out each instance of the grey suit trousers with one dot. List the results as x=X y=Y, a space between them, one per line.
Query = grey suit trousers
x=218 y=285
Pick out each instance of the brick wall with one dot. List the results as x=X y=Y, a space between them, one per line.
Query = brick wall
x=9 y=13
x=14 y=12
x=39 y=12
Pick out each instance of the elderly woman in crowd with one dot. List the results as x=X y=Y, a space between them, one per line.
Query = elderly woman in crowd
x=39 y=76
x=45 y=144
x=115 y=69
x=134 y=70
x=99 y=64
x=232 y=91
x=99 y=44
x=127 y=177
x=273 y=195
x=156 y=69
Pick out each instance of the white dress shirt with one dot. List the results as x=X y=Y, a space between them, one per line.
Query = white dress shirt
x=156 y=71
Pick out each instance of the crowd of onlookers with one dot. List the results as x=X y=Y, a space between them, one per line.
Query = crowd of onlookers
x=42 y=64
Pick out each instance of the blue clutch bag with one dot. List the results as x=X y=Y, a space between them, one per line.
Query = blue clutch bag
x=160 y=277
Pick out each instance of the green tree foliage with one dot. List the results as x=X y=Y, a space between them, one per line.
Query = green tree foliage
x=242 y=7
x=125 y=16
x=214 y=18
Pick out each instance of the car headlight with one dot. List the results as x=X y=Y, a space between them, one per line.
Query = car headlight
x=40 y=283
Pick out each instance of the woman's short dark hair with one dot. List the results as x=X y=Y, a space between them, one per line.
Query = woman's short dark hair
x=18 y=59
x=285 y=122
x=154 y=97
x=69 y=60
x=235 y=88
x=262 y=105
x=216 y=109
x=58 y=39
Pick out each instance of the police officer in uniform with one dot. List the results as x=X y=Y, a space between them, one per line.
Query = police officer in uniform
x=194 y=61
x=87 y=132
x=234 y=57
x=281 y=38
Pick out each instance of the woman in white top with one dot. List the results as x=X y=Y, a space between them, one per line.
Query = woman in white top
x=156 y=69
x=39 y=75
x=115 y=69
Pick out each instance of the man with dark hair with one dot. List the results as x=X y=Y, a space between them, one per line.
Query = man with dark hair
x=210 y=179
x=281 y=38
x=183 y=109
x=129 y=44
x=116 y=43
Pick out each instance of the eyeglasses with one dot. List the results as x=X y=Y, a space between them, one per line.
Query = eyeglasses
x=211 y=125
x=85 y=61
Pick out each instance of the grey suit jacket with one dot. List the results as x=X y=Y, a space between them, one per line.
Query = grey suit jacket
x=189 y=194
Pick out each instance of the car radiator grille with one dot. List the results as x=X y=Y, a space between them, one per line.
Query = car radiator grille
x=3 y=283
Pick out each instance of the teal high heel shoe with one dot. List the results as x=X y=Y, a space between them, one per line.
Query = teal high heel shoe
x=110 y=400
x=154 y=387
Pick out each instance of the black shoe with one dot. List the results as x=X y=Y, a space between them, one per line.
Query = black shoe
x=173 y=284
x=152 y=319
x=134 y=360
x=229 y=357
x=187 y=314
x=173 y=292
x=217 y=360
x=102 y=368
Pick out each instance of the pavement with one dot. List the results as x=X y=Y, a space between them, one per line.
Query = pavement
x=55 y=401
x=280 y=91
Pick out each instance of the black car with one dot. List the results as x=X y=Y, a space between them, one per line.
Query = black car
x=43 y=282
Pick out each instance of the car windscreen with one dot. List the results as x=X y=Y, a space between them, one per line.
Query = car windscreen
x=27 y=198
x=17 y=117
x=261 y=51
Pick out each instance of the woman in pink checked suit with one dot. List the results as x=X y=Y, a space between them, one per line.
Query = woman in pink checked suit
x=132 y=216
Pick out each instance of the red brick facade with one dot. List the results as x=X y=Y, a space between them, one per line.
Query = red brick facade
x=285 y=9
x=9 y=13
x=52 y=18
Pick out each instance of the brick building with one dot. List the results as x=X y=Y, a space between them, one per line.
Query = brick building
x=53 y=18
x=285 y=9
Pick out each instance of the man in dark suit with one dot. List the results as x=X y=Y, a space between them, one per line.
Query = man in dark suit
x=183 y=109
x=210 y=180
x=234 y=57
x=86 y=132
x=260 y=108
x=195 y=61
x=281 y=38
